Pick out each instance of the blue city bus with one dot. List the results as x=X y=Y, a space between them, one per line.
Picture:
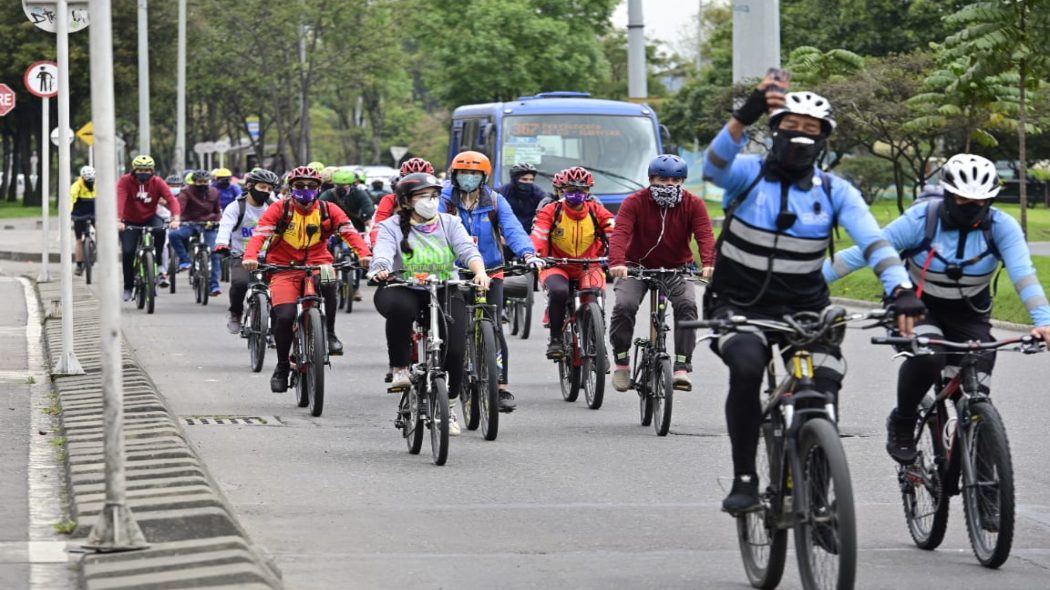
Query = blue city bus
x=557 y=130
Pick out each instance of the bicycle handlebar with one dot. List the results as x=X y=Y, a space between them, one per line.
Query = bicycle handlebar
x=312 y=267
x=1028 y=344
x=581 y=261
x=145 y=227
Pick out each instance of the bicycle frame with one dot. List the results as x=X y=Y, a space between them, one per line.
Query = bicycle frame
x=653 y=349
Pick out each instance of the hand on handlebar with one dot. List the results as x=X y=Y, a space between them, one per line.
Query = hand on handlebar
x=618 y=272
x=909 y=310
x=535 y=261
x=707 y=272
x=482 y=280
x=1042 y=333
x=381 y=275
x=174 y=224
x=249 y=264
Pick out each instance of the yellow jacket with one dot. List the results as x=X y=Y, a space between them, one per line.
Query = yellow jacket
x=79 y=190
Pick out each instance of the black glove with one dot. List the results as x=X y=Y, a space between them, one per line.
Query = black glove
x=223 y=251
x=908 y=304
x=753 y=108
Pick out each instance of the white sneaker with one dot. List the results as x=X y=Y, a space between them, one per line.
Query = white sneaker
x=400 y=380
x=453 y=424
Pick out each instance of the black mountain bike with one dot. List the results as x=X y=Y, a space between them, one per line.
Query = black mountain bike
x=90 y=247
x=800 y=460
x=144 y=287
x=424 y=404
x=255 y=325
x=349 y=277
x=585 y=359
x=961 y=440
x=653 y=376
x=200 y=262
x=518 y=298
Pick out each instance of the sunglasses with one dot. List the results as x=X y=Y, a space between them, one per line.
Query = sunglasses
x=304 y=185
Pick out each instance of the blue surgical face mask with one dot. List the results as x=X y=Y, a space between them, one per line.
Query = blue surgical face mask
x=468 y=181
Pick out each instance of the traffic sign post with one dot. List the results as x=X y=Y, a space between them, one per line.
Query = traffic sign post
x=7 y=99
x=41 y=79
x=204 y=149
x=398 y=152
x=222 y=146
x=86 y=134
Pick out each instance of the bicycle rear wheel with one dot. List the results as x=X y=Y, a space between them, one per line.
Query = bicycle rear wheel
x=988 y=499
x=150 y=286
x=526 y=312
x=302 y=387
x=763 y=546
x=344 y=288
x=826 y=535
x=204 y=277
x=485 y=347
x=315 y=354
x=412 y=420
x=259 y=311
x=568 y=371
x=173 y=268
x=662 y=397
x=595 y=357
x=89 y=259
x=439 y=420
x=922 y=483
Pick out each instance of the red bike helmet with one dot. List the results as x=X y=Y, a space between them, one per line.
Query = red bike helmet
x=578 y=176
x=558 y=180
x=303 y=173
x=413 y=165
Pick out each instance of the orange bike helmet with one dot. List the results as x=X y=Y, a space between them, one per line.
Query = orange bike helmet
x=472 y=161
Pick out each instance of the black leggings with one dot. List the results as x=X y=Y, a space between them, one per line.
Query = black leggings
x=401 y=306
x=284 y=319
x=129 y=241
x=918 y=374
x=557 y=299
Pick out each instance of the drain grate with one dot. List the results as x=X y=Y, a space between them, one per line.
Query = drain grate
x=230 y=421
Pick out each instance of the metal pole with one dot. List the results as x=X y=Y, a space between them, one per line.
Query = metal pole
x=637 y=83
x=180 y=94
x=45 y=188
x=144 y=139
x=116 y=529
x=304 y=98
x=67 y=363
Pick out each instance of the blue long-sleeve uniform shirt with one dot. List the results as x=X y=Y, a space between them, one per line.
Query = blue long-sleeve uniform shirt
x=478 y=224
x=908 y=232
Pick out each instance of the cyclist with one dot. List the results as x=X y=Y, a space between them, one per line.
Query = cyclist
x=353 y=200
x=653 y=230
x=388 y=204
x=139 y=192
x=289 y=222
x=577 y=226
x=376 y=192
x=420 y=240
x=239 y=220
x=781 y=211
x=199 y=202
x=222 y=180
x=491 y=221
x=82 y=194
x=326 y=178
x=523 y=194
x=952 y=247
x=175 y=182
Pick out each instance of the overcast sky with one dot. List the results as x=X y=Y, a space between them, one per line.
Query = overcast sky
x=665 y=20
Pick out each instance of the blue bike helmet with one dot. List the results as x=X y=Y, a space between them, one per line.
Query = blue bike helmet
x=668 y=165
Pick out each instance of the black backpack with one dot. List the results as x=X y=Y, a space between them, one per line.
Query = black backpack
x=242 y=204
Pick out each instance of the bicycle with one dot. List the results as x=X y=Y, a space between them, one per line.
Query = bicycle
x=801 y=459
x=425 y=402
x=584 y=361
x=90 y=247
x=173 y=266
x=256 y=323
x=144 y=287
x=200 y=265
x=960 y=437
x=309 y=339
x=652 y=376
x=349 y=278
x=518 y=300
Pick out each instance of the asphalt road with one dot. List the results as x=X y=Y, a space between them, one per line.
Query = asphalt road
x=566 y=497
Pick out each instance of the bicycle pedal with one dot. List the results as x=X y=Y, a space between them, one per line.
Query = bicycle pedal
x=399 y=389
x=682 y=387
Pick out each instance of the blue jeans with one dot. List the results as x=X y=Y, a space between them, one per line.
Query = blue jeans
x=180 y=241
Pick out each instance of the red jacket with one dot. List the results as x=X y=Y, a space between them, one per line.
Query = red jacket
x=642 y=225
x=198 y=207
x=386 y=209
x=572 y=234
x=295 y=245
x=137 y=203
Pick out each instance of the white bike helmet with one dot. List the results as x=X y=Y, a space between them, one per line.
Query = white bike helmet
x=970 y=177
x=805 y=103
x=87 y=173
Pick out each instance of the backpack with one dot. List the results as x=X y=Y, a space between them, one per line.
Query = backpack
x=598 y=230
x=286 y=218
x=241 y=206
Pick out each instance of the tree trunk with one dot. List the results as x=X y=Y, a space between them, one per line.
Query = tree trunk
x=1022 y=119
x=8 y=168
x=898 y=183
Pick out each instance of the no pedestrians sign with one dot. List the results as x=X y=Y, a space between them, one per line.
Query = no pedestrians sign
x=41 y=79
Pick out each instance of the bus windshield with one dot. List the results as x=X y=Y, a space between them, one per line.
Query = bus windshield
x=616 y=149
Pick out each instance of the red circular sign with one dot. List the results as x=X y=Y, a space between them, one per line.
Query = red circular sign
x=41 y=79
x=7 y=99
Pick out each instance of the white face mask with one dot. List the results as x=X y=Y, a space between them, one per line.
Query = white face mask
x=426 y=208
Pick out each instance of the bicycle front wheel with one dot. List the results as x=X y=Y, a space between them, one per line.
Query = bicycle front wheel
x=826 y=534
x=763 y=546
x=204 y=277
x=526 y=312
x=412 y=419
x=89 y=259
x=173 y=268
x=595 y=357
x=259 y=311
x=485 y=346
x=314 y=358
x=302 y=386
x=439 y=420
x=988 y=498
x=663 y=397
x=149 y=289
x=568 y=370
x=922 y=483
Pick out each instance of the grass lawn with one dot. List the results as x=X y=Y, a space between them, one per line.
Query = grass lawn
x=12 y=209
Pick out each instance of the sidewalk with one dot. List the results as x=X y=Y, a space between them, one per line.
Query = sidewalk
x=21 y=239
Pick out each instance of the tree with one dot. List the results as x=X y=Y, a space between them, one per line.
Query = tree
x=811 y=66
x=1002 y=37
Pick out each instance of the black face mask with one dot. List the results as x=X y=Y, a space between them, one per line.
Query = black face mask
x=259 y=196
x=794 y=153
x=963 y=216
x=223 y=184
x=143 y=177
x=201 y=188
x=89 y=183
x=341 y=191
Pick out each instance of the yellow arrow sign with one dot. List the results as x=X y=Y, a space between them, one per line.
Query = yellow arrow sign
x=87 y=133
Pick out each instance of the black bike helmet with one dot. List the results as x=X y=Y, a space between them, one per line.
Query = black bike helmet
x=521 y=170
x=263 y=175
x=412 y=183
x=199 y=175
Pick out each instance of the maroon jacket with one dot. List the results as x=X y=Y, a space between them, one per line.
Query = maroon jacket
x=137 y=203
x=198 y=207
x=639 y=229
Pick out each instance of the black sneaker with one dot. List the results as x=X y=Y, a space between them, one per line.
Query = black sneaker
x=279 y=380
x=335 y=347
x=555 y=350
x=506 y=401
x=743 y=496
x=900 y=438
x=79 y=270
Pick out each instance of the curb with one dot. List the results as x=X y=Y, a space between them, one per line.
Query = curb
x=29 y=256
x=1000 y=324
x=195 y=539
